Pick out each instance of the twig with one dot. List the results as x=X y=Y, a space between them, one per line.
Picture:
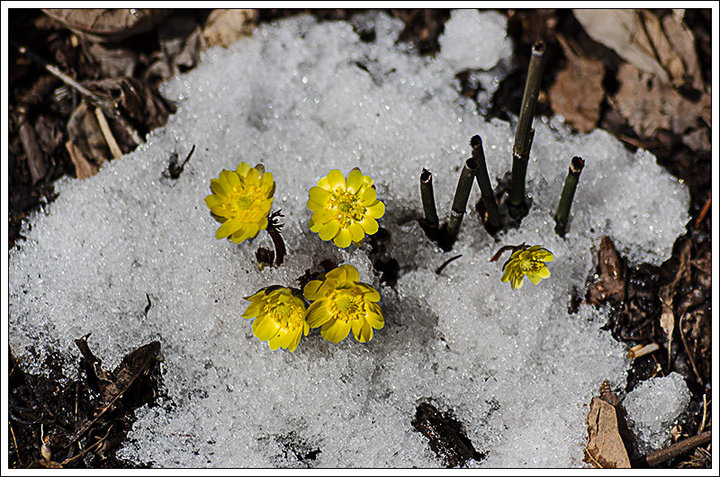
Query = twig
x=107 y=134
x=705 y=406
x=703 y=212
x=427 y=195
x=106 y=105
x=687 y=349
x=658 y=457
x=483 y=180
x=567 y=195
x=75 y=457
x=17 y=451
x=55 y=71
x=462 y=193
x=447 y=262
x=524 y=133
x=35 y=160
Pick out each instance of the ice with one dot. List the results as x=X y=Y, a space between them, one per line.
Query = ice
x=653 y=406
x=517 y=368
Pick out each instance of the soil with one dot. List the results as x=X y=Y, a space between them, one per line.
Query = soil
x=48 y=413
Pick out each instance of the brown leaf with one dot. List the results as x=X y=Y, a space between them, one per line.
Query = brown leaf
x=683 y=43
x=665 y=49
x=649 y=105
x=610 y=284
x=33 y=155
x=578 y=91
x=226 y=26
x=107 y=24
x=605 y=448
x=113 y=61
x=181 y=42
x=83 y=168
x=84 y=132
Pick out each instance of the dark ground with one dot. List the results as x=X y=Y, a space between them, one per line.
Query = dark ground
x=40 y=108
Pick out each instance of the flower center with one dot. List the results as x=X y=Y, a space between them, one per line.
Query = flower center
x=346 y=304
x=285 y=314
x=348 y=208
x=244 y=203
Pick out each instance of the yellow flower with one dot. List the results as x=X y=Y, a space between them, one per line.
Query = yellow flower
x=344 y=211
x=528 y=261
x=342 y=303
x=241 y=201
x=279 y=317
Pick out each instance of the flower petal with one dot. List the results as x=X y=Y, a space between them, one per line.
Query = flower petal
x=357 y=233
x=351 y=273
x=329 y=230
x=343 y=238
x=517 y=281
x=318 y=314
x=229 y=227
x=369 y=195
x=362 y=331
x=543 y=255
x=243 y=168
x=311 y=290
x=355 y=180
x=264 y=328
x=376 y=210
x=318 y=198
x=219 y=187
x=369 y=293
x=336 y=179
x=370 y=225
x=335 y=331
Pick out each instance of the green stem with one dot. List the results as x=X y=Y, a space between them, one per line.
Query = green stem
x=462 y=193
x=427 y=195
x=483 y=180
x=524 y=134
x=567 y=195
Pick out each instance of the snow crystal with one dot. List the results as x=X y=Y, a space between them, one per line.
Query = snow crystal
x=516 y=367
x=653 y=406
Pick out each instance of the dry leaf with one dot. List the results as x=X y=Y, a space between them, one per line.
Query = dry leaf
x=578 y=91
x=617 y=29
x=226 y=26
x=83 y=168
x=664 y=48
x=683 y=43
x=648 y=104
x=84 y=132
x=107 y=24
x=667 y=296
x=610 y=284
x=605 y=448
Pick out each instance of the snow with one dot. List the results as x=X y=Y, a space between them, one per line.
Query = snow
x=653 y=406
x=516 y=366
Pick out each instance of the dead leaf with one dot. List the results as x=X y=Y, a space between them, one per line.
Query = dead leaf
x=578 y=91
x=610 y=283
x=667 y=295
x=181 y=42
x=605 y=448
x=107 y=24
x=84 y=132
x=113 y=61
x=34 y=157
x=698 y=140
x=226 y=26
x=664 y=48
x=682 y=41
x=83 y=168
x=649 y=105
